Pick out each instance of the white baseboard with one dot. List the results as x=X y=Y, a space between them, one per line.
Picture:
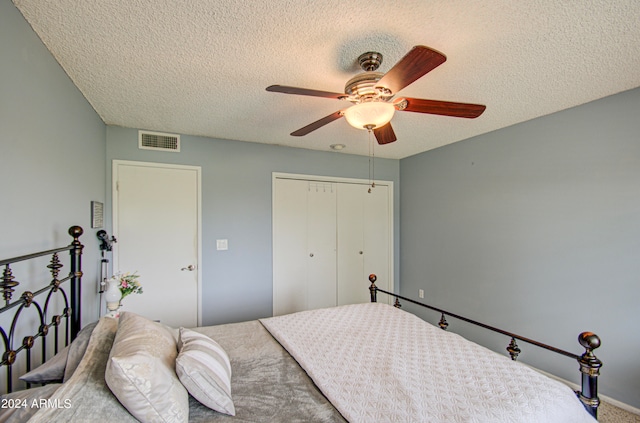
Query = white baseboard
x=576 y=387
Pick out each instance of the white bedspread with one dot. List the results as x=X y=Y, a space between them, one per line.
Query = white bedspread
x=376 y=363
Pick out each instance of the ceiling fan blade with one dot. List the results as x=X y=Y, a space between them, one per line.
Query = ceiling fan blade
x=385 y=134
x=417 y=63
x=444 y=108
x=304 y=91
x=317 y=124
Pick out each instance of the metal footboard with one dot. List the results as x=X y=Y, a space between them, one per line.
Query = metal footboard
x=589 y=363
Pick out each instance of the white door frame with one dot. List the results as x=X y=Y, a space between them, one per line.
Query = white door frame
x=283 y=175
x=114 y=214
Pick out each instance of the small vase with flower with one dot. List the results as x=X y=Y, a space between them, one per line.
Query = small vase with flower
x=119 y=286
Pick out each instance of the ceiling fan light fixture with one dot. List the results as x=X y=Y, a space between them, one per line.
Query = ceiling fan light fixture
x=369 y=115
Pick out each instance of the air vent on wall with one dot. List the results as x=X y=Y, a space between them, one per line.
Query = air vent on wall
x=158 y=141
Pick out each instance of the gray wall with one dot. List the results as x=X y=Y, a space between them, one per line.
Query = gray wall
x=52 y=150
x=236 y=205
x=536 y=229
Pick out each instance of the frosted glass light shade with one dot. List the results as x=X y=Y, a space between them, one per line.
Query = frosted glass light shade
x=374 y=114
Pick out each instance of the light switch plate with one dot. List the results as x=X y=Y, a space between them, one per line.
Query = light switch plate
x=222 y=244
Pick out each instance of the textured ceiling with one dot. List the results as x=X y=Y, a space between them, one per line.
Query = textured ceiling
x=201 y=67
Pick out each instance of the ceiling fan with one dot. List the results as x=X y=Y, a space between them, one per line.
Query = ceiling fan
x=372 y=94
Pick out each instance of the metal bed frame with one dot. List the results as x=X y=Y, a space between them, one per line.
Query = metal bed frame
x=589 y=363
x=69 y=319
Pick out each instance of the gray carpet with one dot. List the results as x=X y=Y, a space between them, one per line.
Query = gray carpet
x=608 y=413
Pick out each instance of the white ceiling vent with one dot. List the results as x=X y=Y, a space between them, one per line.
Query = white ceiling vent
x=158 y=141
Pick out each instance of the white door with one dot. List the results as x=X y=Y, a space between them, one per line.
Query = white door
x=289 y=246
x=328 y=236
x=156 y=216
x=321 y=245
x=351 y=243
x=377 y=242
x=364 y=239
x=304 y=245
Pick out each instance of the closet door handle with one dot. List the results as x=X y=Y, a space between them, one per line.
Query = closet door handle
x=311 y=255
x=361 y=252
x=190 y=268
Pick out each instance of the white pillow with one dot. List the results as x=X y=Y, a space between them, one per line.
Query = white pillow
x=204 y=369
x=140 y=371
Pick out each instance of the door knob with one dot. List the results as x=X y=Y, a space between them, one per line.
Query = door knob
x=190 y=268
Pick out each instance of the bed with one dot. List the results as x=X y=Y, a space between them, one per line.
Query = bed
x=359 y=363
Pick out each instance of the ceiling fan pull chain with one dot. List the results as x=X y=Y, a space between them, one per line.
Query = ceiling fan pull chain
x=371 y=162
x=369 y=142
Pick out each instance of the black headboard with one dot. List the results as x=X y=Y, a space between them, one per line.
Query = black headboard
x=67 y=286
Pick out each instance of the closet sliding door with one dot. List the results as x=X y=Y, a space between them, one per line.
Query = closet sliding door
x=321 y=244
x=328 y=236
x=363 y=240
x=304 y=245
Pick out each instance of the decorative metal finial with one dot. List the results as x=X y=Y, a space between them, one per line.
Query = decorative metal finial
x=443 y=322
x=513 y=349
x=590 y=369
x=373 y=288
x=55 y=267
x=8 y=283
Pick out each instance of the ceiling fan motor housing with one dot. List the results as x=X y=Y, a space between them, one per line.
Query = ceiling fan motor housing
x=362 y=87
x=370 y=61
